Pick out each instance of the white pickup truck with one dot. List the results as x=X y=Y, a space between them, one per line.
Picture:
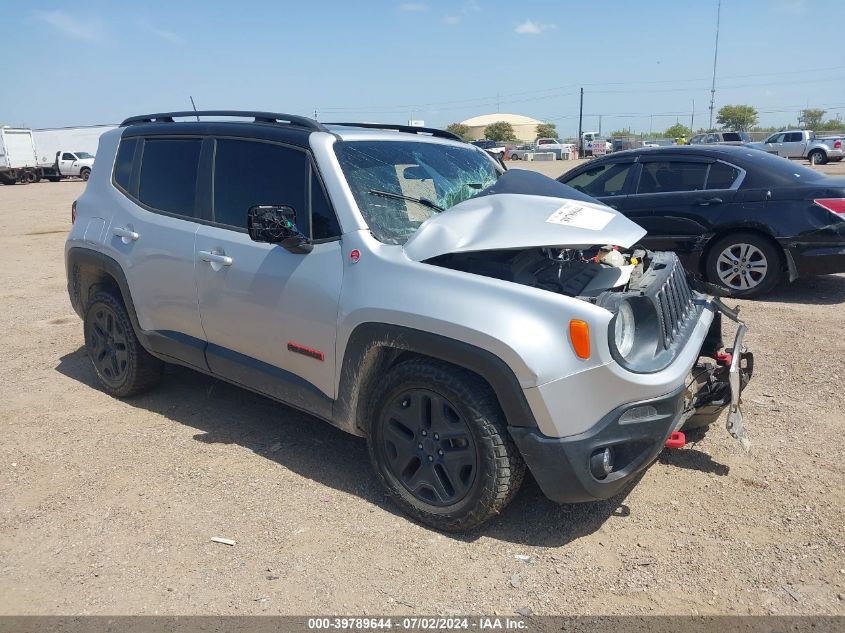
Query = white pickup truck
x=66 y=164
x=799 y=144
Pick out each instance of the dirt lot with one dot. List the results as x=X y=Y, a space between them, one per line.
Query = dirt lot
x=107 y=507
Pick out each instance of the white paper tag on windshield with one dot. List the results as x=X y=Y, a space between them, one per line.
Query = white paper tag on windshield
x=582 y=215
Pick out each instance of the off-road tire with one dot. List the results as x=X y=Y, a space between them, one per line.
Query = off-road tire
x=85 y=173
x=500 y=468
x=134 y=370
x=774 y=262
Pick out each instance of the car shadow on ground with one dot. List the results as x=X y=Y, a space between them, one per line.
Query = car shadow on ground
x=225 y=414
x=822 y=290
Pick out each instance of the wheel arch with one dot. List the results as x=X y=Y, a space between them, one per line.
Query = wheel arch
x=373 y=348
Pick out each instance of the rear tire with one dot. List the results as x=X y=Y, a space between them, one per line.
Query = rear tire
x=85 y=173
x=122 y=366
x=744 y=265
x=817 y=157
x=439 y=444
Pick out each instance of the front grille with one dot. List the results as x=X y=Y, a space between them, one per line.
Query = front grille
x=674 y=302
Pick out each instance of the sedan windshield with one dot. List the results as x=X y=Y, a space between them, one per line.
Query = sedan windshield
x=398 y=185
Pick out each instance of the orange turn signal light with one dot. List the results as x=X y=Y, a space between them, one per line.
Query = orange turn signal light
x=579 y=334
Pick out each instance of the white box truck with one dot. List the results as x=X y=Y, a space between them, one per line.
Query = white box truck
x=18 y=159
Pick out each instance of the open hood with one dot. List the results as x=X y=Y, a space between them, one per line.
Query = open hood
x=522 y=209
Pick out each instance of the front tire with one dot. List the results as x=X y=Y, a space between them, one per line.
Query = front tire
x=744 y=265
x=439 y=443
x=85 y=174
x=122 y=365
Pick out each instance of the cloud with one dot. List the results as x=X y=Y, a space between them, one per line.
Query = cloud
x=69 y=25
x=530 y=27
x=170 y=36
x=452 y=20
x=414 y=7
x=791 y=6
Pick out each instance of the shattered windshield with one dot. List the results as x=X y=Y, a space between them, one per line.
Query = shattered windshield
x=398 y=185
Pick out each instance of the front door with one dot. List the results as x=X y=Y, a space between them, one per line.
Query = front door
x=270 y=315
x=68 y=165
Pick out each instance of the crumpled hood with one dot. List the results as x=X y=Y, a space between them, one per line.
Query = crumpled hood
x=522 y=210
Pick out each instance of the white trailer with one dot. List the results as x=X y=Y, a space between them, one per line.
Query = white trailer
x=18 y=160
x=50 y=141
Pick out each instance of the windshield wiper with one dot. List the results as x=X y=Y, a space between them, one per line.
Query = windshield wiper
x=398 y=196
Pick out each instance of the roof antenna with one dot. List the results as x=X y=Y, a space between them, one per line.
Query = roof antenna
x=193 y=105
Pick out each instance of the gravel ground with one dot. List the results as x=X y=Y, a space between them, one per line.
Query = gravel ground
x=108 y=506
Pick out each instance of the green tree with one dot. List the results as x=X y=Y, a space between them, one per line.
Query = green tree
x=737 y=117
x=677 y=130
x=547 y=130
x=832 y=125
x=500 y=131
x=625 y=131
x=459 y=129
x=811 y=118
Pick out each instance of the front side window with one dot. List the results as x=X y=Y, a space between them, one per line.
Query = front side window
x=249 y=173
x=602 y=180
x=398 y=185
x=665 y=176
x=169 y=175
x=777 y=138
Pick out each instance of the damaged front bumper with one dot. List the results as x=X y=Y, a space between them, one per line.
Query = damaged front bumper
x=636 y=432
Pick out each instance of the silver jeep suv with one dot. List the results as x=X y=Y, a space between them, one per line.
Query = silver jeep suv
x=399 y=284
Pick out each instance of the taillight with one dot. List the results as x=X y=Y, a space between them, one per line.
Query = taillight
x=73 y=212
x=837 y=144
x=834 y=205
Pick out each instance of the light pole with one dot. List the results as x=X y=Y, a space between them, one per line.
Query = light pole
x=715 y=57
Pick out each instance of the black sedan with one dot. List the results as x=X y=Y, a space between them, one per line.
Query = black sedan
x=740 y=218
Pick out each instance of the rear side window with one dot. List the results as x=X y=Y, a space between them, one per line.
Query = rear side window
x=793 y=137
x=731 y=136
x=662 y=177
x=602 y=180
x=722 y=176
x=169 y=175
x=123 y=162
x=248 y=173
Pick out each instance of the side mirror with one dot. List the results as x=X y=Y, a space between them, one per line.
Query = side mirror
x=276 y=225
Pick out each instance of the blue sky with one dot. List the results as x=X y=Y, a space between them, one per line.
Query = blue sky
x=85 y=63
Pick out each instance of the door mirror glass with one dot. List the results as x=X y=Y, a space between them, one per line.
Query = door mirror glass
x=277 y=225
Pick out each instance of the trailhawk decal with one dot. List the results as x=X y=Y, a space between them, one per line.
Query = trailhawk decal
x=581 y=215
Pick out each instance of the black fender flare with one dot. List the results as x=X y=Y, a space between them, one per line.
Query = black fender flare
x=374 y=347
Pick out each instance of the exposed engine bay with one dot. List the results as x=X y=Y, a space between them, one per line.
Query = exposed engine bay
x=571 y=272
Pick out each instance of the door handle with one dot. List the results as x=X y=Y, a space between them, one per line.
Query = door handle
x=215 y=258
x=703 y=202
x=126 y=234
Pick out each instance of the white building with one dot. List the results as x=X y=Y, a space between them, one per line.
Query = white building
x=524 y=127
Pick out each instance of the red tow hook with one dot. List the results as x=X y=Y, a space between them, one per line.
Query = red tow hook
x=676 y=440
x=723 y=358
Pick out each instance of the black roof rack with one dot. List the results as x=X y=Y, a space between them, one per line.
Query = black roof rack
x=260 y=117
x=403 y=128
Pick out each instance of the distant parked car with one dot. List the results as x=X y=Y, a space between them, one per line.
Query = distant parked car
x=650 y=144
x=721 y=138
x=494 y=147
x=740 y=218
x=803 y=144
x=519 y=152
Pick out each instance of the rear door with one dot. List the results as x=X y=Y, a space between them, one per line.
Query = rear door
x=677 y=200
x=270 y=315
x=152 y=235
x=605 y=180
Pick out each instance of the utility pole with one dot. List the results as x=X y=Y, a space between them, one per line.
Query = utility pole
x=315 y=114
x=715 y=57
x=580 y=121
x=498 y=105
x=599 y=125
x=692 y=118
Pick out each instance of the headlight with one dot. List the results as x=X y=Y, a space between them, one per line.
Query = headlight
x=624 y=329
